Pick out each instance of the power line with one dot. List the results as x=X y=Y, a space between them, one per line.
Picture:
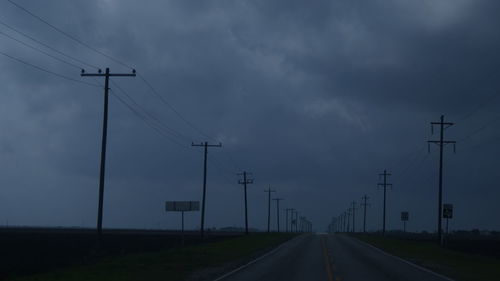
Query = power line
x=47 y=71
x=164 y=101
x=69 y=35
x=46 y=45
x=478 y=107
x=221 y=171
x=147 y=121
x=480 y=129
x=144 y=119
x=39 y=50
x=184 y=119
x=150 y=115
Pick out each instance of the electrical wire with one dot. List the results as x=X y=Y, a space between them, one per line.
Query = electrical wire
x=47 y=71
x=39 y=50
x=140 y=116
x=47 y=46
x=150 y=115
x=69 y=35
x=190 y=124
x=164 y=101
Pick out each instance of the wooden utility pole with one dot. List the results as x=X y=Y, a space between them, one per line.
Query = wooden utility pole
x=278 y=212
x=385 y=185
x=364 y=204
x=269 y=191
x=244 y=182
x=353 y=216
x=206 y=146
x=102 y=173
x=441 y=142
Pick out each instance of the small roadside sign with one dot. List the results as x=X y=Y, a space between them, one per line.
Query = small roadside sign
x=182 y=206
x=405 y=216
x=447 y=211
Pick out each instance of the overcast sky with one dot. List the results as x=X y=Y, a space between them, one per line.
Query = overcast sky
x=315 y=98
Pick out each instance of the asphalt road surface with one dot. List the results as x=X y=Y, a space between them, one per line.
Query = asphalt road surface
x=330 y=258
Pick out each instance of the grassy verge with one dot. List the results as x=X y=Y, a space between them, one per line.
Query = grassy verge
x=457 y=265
x=174 y=264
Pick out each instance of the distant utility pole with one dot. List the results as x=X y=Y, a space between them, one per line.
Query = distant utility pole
x=278 y=211
x=286 y=224
x=269 y=191
x=106 y=76
x=344 y=221
x=349 y=219
x=441 y=142
x=385 y=185
x=244 y=182
x=364 y=204
x=296 y=221
x=293 y=220
x=353 y=216
x=206 y=146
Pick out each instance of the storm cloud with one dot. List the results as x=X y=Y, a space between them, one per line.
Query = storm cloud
x=315 y=98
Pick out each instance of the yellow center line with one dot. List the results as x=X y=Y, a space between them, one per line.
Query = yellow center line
x=327 y=260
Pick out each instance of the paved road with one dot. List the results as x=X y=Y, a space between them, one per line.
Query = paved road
x=330 y=258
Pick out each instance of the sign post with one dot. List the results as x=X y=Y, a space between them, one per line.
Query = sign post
x=405 y=216
x=182 y=206
x=447 y=214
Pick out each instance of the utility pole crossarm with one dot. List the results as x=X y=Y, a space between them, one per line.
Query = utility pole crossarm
x=110 y=75
x=207 y=145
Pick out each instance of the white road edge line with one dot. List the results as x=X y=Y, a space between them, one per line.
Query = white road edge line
x=255 y=260
x=407 y=262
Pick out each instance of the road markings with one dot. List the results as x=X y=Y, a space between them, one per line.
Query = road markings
x=327 y=260
x=256 y=260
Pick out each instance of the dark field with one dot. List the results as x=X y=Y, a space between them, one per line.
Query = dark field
x=31 y=250
x=465 y=257
x=485 y=245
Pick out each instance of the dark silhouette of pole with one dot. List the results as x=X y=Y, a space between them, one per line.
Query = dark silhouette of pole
x=182 y=227
x=244 y=182
x=296 y=221
x=269 y=191
x=441 y=142
x=353 y=216
x=293 y=220
x=365 y=204
x=278 y=212
x=206 y=146
x=102 y=173
x=286 y=218
x=292 y=210
x=344 y=221
x=384 y=185
x=349 y=219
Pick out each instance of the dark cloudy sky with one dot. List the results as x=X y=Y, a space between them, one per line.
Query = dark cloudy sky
x=314 y=97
